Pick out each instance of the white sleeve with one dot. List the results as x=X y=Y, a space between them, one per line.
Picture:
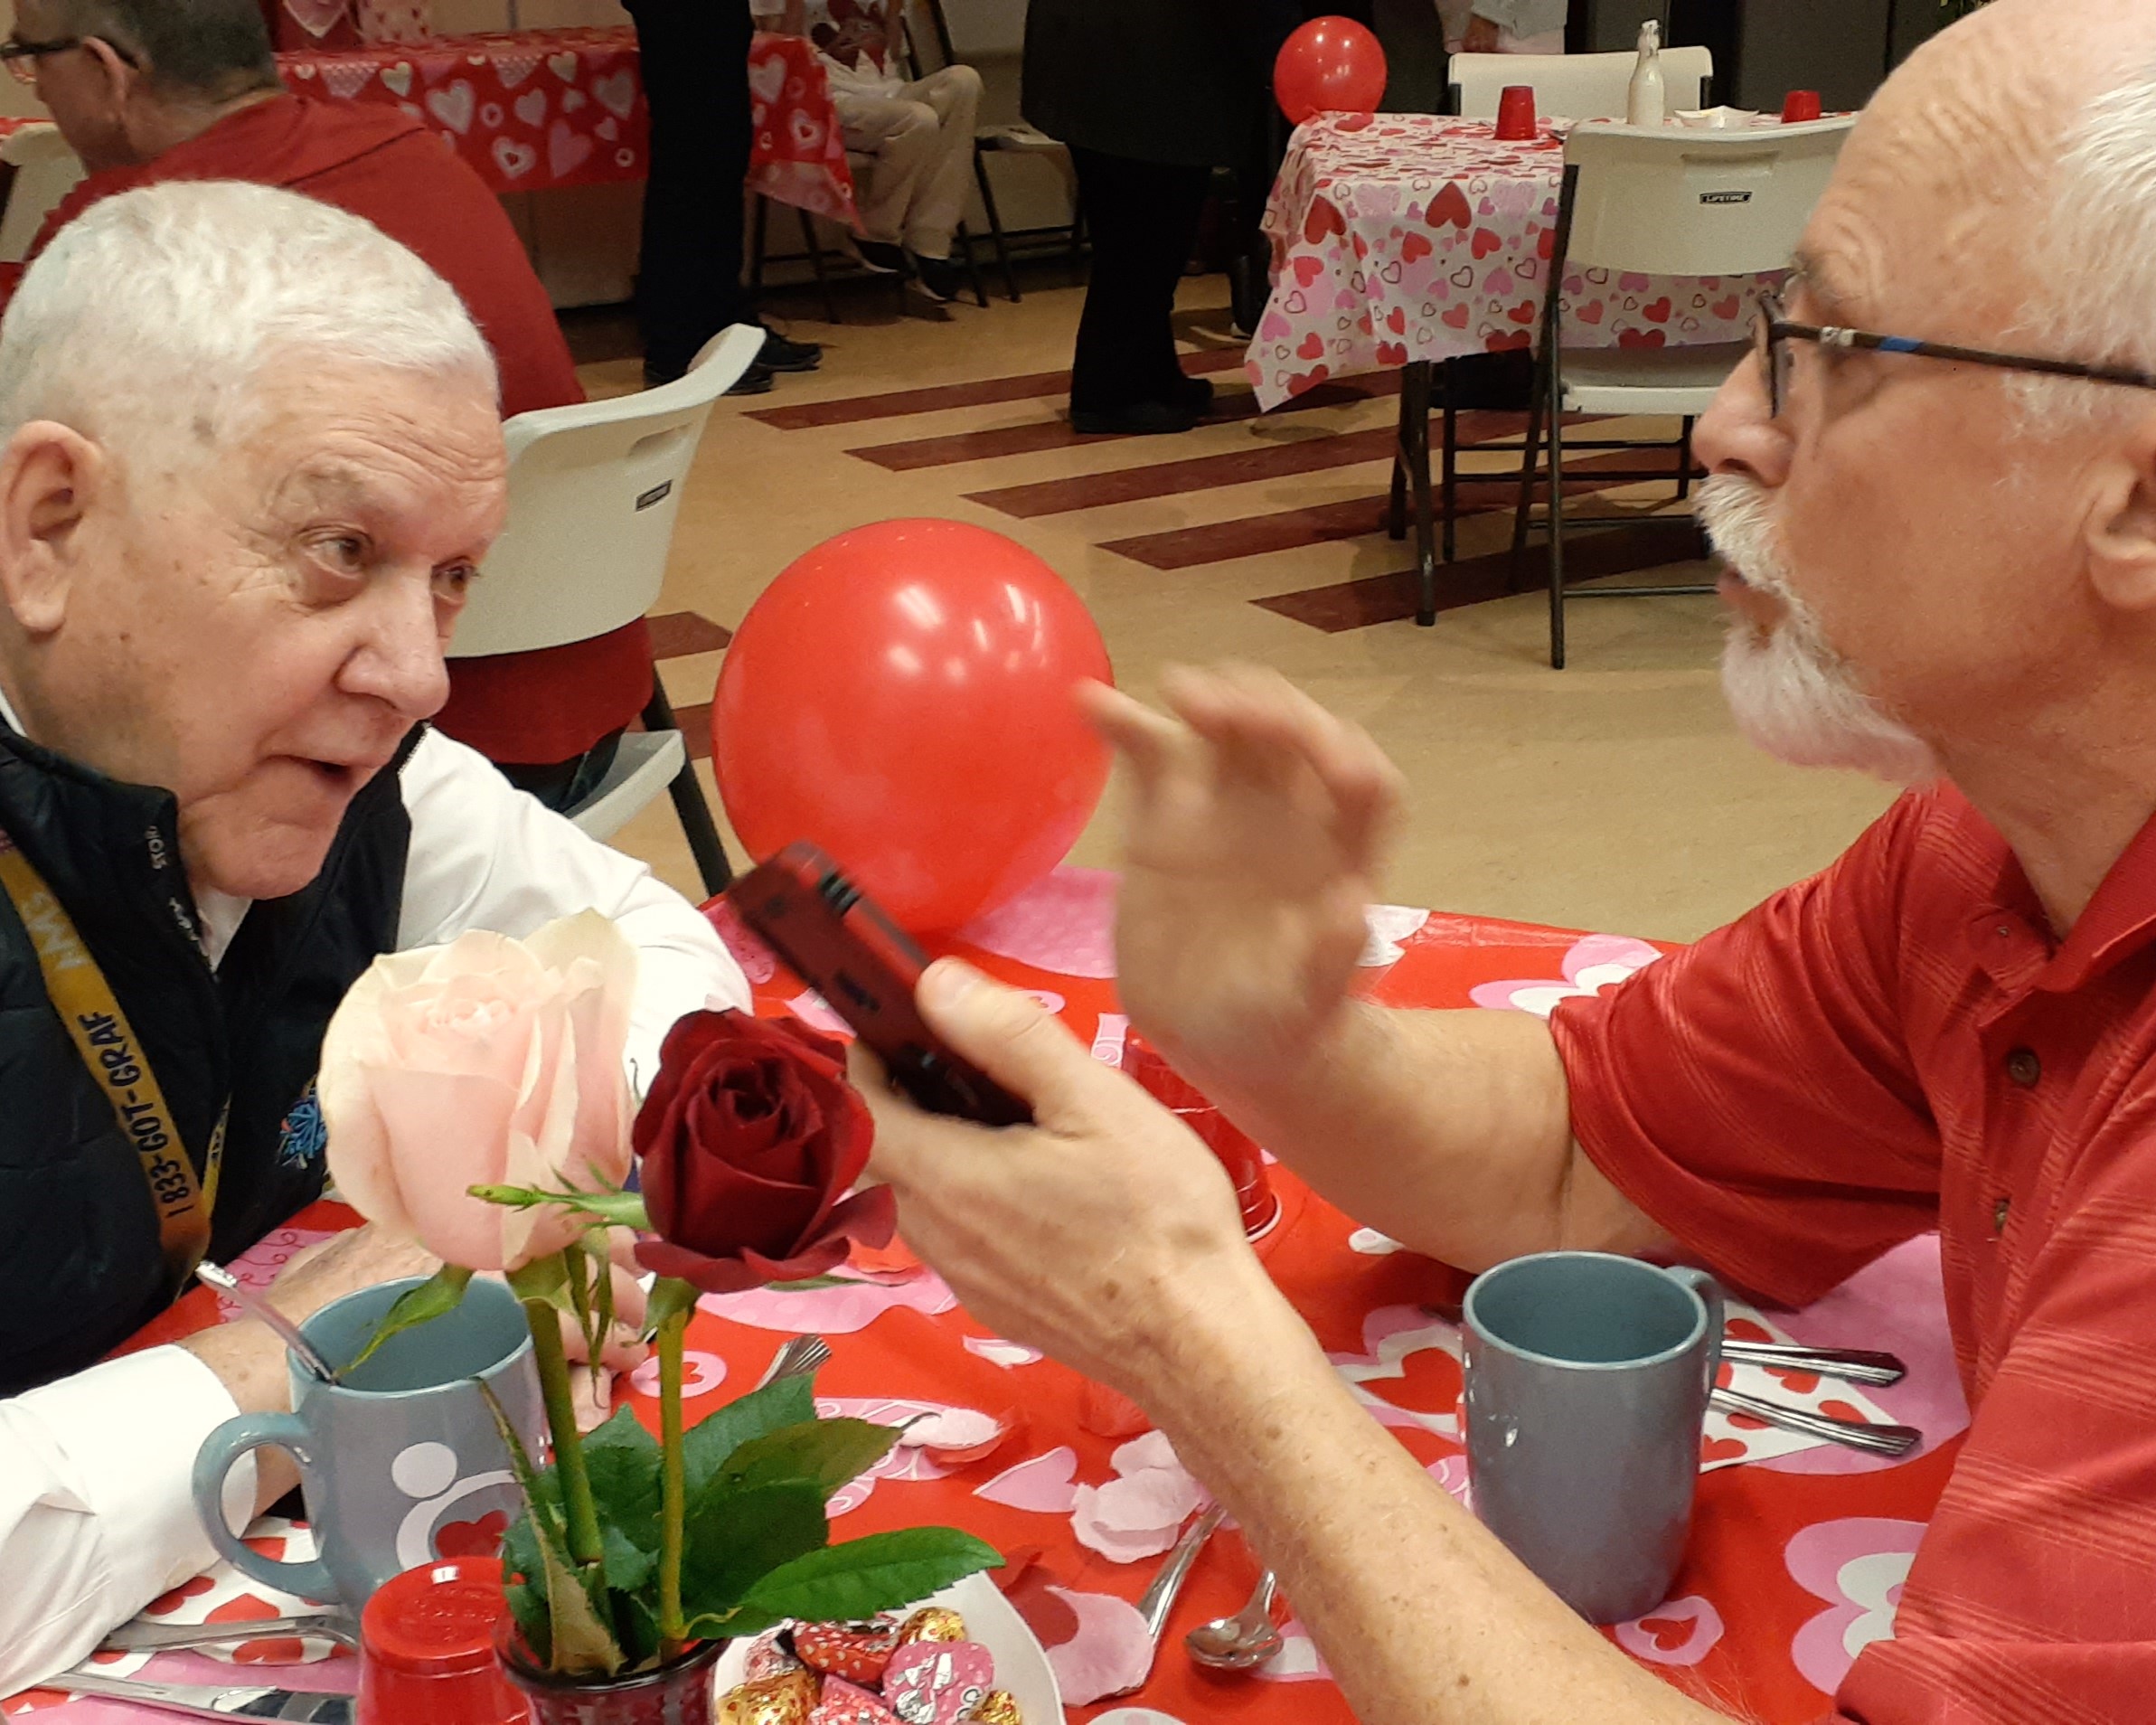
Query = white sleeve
x=485 y=855
x=97 y=1511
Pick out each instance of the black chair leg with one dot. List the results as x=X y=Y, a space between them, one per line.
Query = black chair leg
x=1415 y=455
x=1396 y=505
x=688 y=806
x=1451 y=471
x=1684 y=460
x=995 y=224
x=756 y=249
x=816 y=262
x=1557 y=522
x=973 y=267
x=1530 y=454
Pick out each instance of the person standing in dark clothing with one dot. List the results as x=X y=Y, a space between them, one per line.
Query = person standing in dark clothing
x=1150 y=96
x=695 y=60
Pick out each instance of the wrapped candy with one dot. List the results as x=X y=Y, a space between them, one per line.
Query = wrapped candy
x=854 y=1651
x=843 y=1703
x=997 y=1707
x=932 y=1623
x=786 y=1699
x=770 y=1656
x=937 y=1683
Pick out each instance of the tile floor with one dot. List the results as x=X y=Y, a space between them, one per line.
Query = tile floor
x=1614 y=794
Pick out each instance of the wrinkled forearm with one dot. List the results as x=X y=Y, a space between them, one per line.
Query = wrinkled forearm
x=1421 y=1615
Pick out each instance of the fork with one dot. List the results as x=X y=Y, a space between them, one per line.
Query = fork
x=800 y=1357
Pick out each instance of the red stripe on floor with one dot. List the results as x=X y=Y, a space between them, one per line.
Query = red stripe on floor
x=1037 y=435
x=674 y=635
x=696 y=730
x=1391 y=599
x=1294 y=529
x=852 y=408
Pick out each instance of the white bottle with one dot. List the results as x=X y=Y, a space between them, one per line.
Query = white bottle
x=1644 y=97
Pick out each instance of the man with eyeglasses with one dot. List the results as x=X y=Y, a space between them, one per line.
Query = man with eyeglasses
x=1936 y=489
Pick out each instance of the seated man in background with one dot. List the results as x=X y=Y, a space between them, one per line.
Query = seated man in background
x=918 y=132
x=149 y=91
x=250 y=458
x=1942 y=572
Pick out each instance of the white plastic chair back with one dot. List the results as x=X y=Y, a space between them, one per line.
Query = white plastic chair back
x=1665 y=201
x=1576 y=85
x=46 y=171
x=593 y=489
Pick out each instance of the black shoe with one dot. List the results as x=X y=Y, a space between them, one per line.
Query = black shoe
x=780 y=354
x=1195 y=393
x=1138 y=420
x=882 y=257
x=938 y=277
x=755 y=381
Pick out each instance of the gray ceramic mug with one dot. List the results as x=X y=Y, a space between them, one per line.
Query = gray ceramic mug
x=401 y=1462
x=1588 y=1378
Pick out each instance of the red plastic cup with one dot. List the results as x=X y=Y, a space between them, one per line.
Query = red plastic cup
x=1799 y=106
x=1237 y=1149
x=426 y=1648
x=1516 y=113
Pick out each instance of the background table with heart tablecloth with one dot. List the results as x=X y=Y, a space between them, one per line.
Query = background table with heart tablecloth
x=531 y=110
x=1797 y=1554
x=1409 y=237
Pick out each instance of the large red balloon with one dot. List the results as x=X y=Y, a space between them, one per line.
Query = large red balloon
x=1329 y=66
x=901 y=696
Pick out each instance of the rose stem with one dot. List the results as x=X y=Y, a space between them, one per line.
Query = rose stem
x=586 y=1546
x=674 y=1485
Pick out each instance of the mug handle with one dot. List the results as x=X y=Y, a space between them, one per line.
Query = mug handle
x=1710 y=1296
x=220 y=1451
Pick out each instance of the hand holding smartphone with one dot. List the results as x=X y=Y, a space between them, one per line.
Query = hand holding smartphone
x=841 y=944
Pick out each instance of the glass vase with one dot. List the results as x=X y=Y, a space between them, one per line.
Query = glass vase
x=676 y=1693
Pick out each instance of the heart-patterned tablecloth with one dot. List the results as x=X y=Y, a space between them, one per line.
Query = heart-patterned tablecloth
x=529 y=110
x=1401 y=237
x=1797 y=1550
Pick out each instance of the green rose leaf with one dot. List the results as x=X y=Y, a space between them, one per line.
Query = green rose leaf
x=829 y=1451
x=622 y=1459
x=863 y=1576
x=439 y=1296
x=735 y=1538
x=707 y=1444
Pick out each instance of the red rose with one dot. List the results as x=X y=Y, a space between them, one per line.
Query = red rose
x=749 y=1142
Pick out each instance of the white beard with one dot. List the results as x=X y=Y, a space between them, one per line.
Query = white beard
x=1791 y=693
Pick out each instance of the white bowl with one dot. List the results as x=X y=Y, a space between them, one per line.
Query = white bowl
x=1020 y=1662
x=1717 y=120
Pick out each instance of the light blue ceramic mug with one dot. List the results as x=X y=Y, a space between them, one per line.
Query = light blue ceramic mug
x=1587 y=1377
x=401 y=1462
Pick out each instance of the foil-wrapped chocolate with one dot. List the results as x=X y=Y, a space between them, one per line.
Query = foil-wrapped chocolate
x=844 y=1704
x=997 y=1707
x=932 y=1623
x=858 y=1652
x=786 y=1699
x=771 y=1656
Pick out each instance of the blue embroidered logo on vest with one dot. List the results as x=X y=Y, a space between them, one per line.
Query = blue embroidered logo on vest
x=304 y=1135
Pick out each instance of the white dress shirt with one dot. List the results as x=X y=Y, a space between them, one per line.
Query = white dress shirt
x=1523 y=26
x=95 y=1514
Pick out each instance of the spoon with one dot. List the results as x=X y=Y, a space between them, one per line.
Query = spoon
x=1159 y=1600
x=233 y=1289
x=1879 y=1440
x=1244 y=1640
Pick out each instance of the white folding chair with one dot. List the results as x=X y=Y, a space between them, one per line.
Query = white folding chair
x=593 y=492
x=46 y=171
x=1576 y=85
x=1659 y=202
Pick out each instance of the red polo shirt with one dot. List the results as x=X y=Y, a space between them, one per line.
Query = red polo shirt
x=1897 y=1044
x=528 y=708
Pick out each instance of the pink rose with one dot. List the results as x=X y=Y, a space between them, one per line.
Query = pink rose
x=488 y=1061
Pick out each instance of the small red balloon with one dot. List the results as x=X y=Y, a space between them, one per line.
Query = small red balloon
x=902 y=697
x=1329 y=66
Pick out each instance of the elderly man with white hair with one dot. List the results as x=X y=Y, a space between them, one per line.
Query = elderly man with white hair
x=249 y=462
x=1935 y=486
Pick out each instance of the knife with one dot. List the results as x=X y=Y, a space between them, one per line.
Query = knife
x=151 y=1638
x=241 y=1700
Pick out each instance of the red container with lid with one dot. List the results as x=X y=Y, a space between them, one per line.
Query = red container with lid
x=426 y=1648
x=1238 y=1151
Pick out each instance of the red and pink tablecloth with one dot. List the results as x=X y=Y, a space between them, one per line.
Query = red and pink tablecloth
x=1405 y=237
x=1797 y=1556
x=531 y=110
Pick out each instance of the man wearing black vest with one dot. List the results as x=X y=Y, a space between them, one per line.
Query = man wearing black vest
x=251 y=457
